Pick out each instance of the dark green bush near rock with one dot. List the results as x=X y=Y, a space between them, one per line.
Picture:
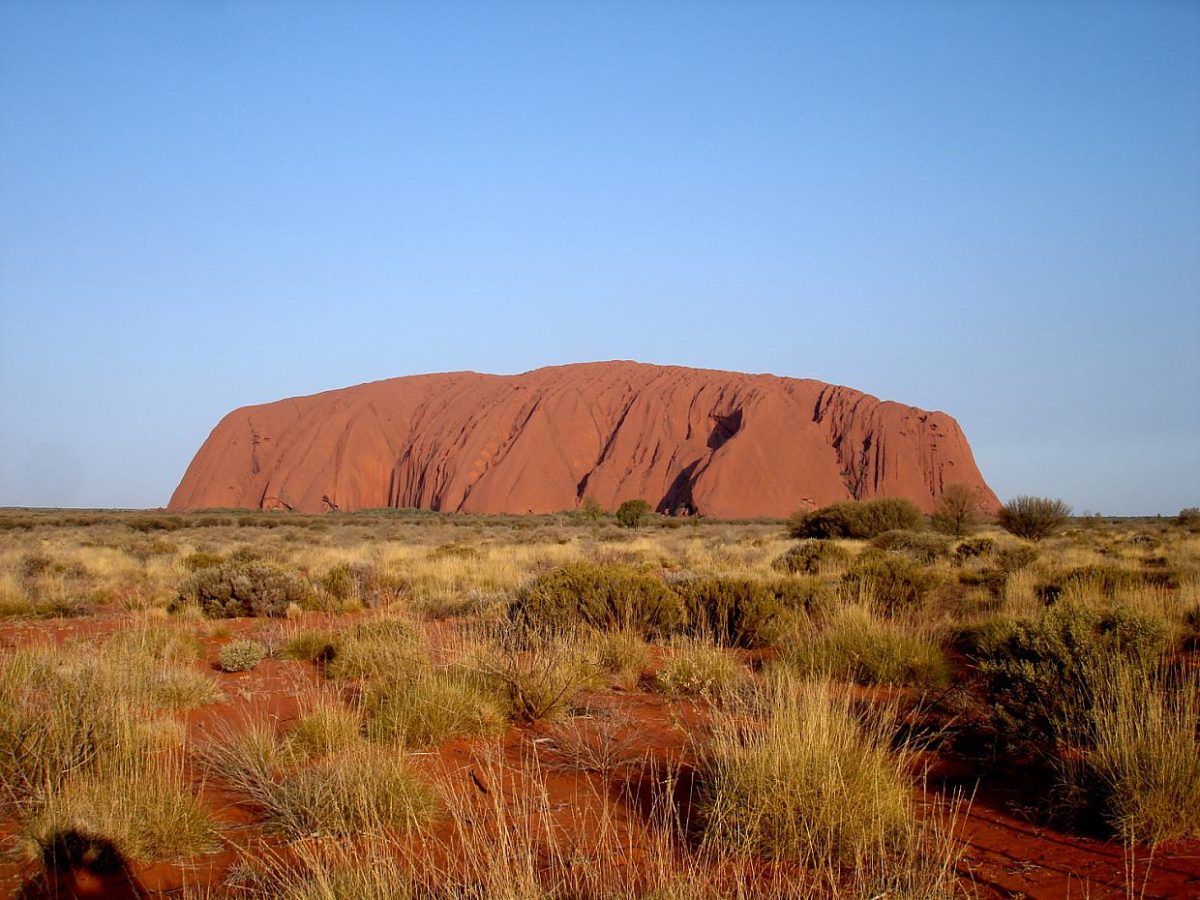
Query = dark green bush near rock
x=923 y=546
x=601 y=596
x=633 y=513
x=1039 y=672
x=853 y=519
x=1033 y=518
x=811 y=556
x=231 y=590
x=896 y=582
x=733 y=612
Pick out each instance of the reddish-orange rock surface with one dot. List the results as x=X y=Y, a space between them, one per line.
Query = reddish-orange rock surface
x=717 y=443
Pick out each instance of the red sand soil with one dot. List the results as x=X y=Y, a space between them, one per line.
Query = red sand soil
x=722 y=444
x=1007 y=854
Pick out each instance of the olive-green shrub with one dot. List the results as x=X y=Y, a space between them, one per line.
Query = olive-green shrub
x=855 y=519
x=230 y=590
x=733 y=612
x=811 y=557
x=600 y=596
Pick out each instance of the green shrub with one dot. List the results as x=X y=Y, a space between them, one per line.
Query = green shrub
x=600 y=596
x=242 y=589
x=920 y=545
x=857 y=646
x=853 y=519
x=1189 y=518
x=895 y=583
x=812 y=557
x=633 y=513
x=957 y=511
x=1039 y=672
x=733 y=612
x=242 y=655
x=1033 y=518
x=1016 y=557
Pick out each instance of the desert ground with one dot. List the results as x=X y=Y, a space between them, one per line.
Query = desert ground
x=407 y=704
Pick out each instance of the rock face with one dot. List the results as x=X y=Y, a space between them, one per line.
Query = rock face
x=715 y=443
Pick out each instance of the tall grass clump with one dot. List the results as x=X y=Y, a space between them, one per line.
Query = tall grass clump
x=362 y=789
x=799 y=775
x=430 y=706
x=859 y=646
x=1140 y=770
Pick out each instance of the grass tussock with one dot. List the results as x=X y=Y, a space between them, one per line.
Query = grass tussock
x=359 y=789
x=799 y=774
x=857 y=645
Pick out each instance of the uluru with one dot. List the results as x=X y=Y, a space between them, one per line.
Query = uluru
x=695 y=441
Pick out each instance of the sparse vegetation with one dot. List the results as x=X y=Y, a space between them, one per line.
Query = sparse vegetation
x=460 y=703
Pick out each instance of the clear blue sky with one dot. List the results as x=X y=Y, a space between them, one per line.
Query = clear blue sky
x=990 y=209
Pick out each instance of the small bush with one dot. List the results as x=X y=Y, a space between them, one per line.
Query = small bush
x=957 y=511
x=809 y=595
x=633 y=513
x=231 y=590
x=920 y=545
x=859 y=647
x=1033 y=518
x=242 y=655
x=813 y=557
x=599 y=596
x=696 y=669
x=1039 y=672
x=895 y=583
x=1189 y=519
x=536 y=684
x=733 y=612
x=853 y=519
